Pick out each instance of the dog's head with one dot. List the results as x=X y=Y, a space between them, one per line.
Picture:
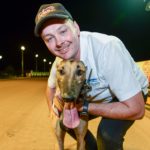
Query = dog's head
x=71 y=76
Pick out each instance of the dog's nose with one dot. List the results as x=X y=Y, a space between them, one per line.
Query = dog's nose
x=68 y=99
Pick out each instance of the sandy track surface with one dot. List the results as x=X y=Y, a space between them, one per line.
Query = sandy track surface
x=24 y=122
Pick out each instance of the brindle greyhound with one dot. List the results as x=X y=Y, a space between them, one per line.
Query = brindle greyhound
x=70 y=78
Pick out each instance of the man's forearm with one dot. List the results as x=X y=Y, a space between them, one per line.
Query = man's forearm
x=128 y=110
x=49 y=96
x=115 y=110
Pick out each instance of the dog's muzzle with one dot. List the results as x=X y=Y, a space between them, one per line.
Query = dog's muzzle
x=70 y=99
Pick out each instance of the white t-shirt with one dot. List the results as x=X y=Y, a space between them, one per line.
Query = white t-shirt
x=114 y=72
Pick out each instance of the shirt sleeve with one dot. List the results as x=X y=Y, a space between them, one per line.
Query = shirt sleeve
x=52 y=76
x=118 y=70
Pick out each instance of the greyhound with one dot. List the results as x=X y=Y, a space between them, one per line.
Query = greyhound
x=70 y=79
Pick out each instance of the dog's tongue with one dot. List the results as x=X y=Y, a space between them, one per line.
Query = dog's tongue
x=71 y=118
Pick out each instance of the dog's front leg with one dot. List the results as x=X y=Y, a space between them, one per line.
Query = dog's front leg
x=60 y=134
x=80 y=132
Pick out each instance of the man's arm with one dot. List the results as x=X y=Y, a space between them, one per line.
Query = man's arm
x=49 y=96
x=131 y=109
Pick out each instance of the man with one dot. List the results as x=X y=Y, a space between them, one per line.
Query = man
x=118 y=82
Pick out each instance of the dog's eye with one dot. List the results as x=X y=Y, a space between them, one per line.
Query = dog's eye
x=79 y=72
x=61 y=71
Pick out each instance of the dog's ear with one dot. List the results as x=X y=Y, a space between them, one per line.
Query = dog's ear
x=82 y=62
x=83 y=65
x=59 y=63
x=86 y=68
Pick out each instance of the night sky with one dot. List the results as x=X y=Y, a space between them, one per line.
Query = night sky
x=126 y=19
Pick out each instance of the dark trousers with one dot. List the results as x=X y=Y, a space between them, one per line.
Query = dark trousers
x=110 y=134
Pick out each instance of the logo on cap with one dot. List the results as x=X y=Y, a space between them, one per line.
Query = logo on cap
x=45 y=11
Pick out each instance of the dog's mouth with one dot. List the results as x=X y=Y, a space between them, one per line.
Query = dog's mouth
x=70 y=115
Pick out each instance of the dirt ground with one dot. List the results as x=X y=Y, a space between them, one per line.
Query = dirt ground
x=25 y=125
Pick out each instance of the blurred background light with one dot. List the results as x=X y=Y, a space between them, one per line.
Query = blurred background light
x=147 y=7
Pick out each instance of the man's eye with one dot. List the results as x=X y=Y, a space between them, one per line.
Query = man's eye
x=50 y=39
x=63 y=31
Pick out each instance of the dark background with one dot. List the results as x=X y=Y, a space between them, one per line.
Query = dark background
x=126 y=19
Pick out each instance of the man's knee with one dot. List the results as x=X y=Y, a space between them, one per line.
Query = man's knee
x=109 y=137
x=107 y=140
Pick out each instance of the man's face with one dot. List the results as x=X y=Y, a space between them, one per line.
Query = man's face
x=62 y=38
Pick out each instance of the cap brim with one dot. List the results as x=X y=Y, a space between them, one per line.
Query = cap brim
x=37 y=28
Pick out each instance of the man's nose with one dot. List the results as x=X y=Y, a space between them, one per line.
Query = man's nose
x=59 y=41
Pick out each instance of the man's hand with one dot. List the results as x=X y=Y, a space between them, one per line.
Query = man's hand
x=83 y=109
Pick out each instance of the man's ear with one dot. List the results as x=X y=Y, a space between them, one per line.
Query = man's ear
x=77 y=27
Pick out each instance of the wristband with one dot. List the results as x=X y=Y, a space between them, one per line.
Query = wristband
x=85 y=106
x=84 y=113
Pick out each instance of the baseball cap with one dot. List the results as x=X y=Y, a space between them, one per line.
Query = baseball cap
x=49 y=11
